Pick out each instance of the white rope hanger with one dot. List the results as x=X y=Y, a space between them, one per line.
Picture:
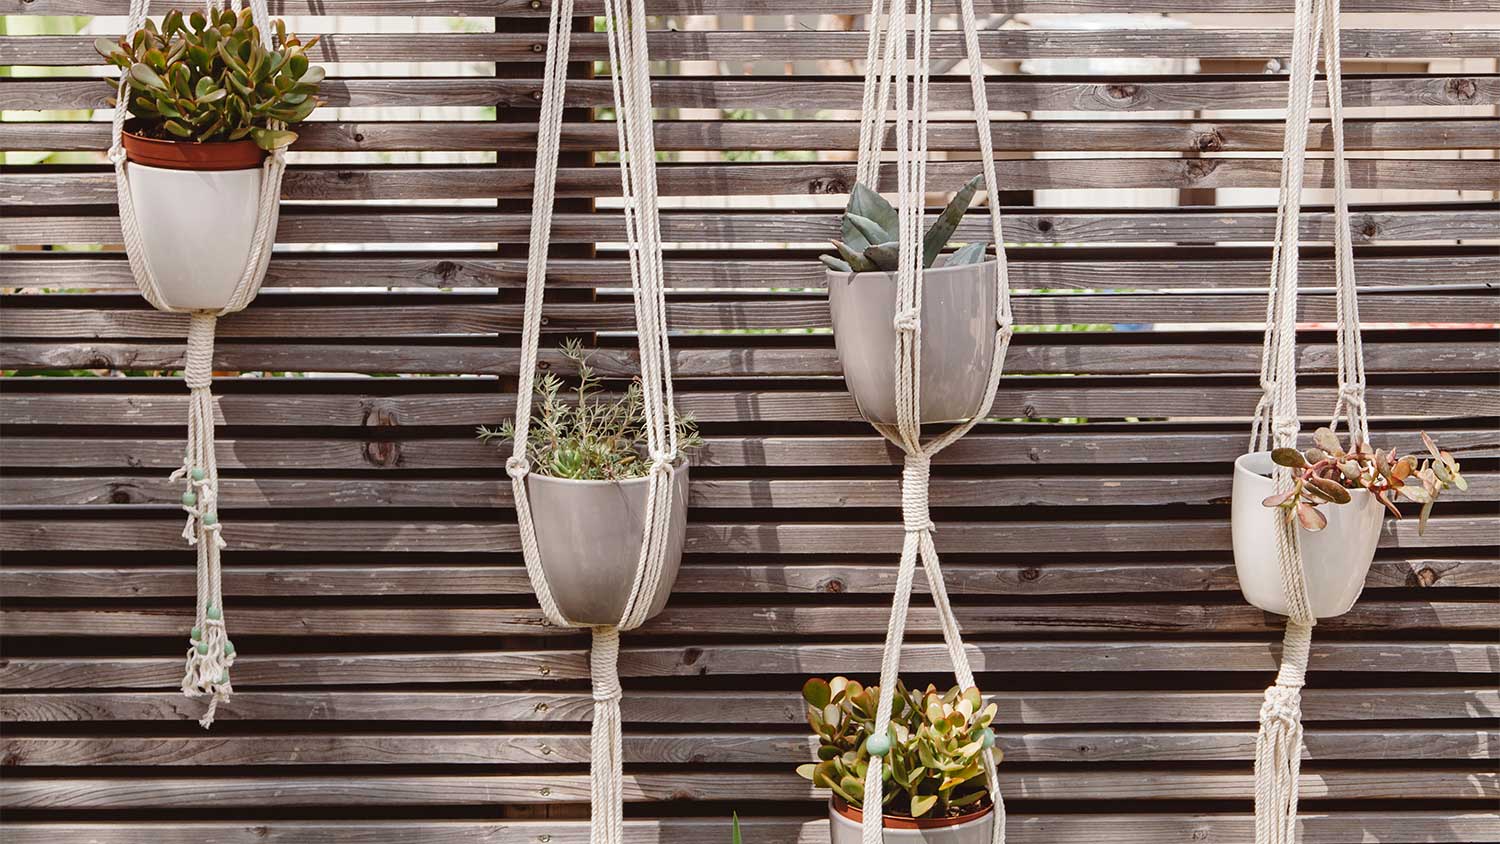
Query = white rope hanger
x=210 y=653
x=1278 y=750
x=887 y=67
x=631 y=81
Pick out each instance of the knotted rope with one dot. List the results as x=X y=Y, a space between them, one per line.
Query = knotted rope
x=887 y=67
x=631 y=82
x=1278 y=751
x=210 y=653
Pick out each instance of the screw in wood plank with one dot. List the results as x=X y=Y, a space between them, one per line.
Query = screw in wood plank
x=536 y=4
x=537 y=48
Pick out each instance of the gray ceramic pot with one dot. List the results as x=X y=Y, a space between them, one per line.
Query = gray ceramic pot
x=958 y=340
x=845 y=827
x=589 y=534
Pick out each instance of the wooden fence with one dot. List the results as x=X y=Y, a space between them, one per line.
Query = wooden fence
x=396 y=683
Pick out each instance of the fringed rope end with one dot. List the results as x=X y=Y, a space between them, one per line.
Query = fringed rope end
x=1278 y=765
x=606 y=762
x=209 y=659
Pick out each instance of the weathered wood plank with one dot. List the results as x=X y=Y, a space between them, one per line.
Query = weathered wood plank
x=280 y=316
x=1121 y=93
x=1083 y=268
x=793 y=45
x=773 y=493
x=751 y=618
x=1033 y=397
x=1089 y=446
x=1314 y=827
x=1188 y=136
x=523 y=8
x=1209 y=358
x=87 y=186
x=719 y=660
x=1001 y=577
x=750 y=707
x=789 y=749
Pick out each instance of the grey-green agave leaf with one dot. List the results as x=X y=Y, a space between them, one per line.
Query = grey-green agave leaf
x=947 y=222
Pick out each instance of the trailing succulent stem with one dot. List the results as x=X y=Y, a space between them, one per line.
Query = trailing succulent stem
x=207 y=77
x=933 y=751
x=870 y=228
x=1325 y=473
x=590 y=437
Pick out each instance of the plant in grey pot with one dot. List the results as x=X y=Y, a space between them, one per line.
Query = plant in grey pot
x=958 y=310
x=934 y=781
x=588 y=490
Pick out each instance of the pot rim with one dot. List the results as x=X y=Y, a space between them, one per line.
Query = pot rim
x=682 y=463
x=1241 y=469
x=163 y=153
x=888 y=822
x=930 y=272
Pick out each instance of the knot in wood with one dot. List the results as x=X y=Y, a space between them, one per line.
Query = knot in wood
x=1210 y=141
x=1031 y=574
x=1462 y=89
x=833 y=585
x=828 y=185
x=1424 y=578
x=1122 y=94
x=1198 y=169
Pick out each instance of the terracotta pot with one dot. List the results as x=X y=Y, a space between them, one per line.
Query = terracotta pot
x=196 y=223
x=589 y=534
x=958 y=340
x=845 y=827
x=1335 y=559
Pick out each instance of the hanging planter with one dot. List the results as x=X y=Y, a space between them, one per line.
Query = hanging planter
x=199 y=143
x=935 y=748
x=959 y=301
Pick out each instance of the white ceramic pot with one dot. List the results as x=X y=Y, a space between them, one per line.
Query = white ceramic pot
x=589 y=535
x=958 y=340
x=1335 y=559
x=196 y=227
x=845 y=827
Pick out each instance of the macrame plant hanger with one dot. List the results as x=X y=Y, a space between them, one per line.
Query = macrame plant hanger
x=1278 y=749
x=210 y=653
x=887 y=67
x=630 y=79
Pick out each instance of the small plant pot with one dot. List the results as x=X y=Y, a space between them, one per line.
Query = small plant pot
x=1335 y=559
x=958 y=340
x=845 y=824
x=589 y=535
x=196 y=215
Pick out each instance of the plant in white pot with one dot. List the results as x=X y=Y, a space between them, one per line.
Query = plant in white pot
x=1338 y=499
x=958 y=310
x=209 y=97
x=934 y=779
x=588 y=489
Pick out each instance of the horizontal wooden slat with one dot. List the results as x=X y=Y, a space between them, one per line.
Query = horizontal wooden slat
x=793 y=45
x=1038 y=577
x=1029 y=397
x=707 y=706
x=78 y=187
x=1051 y=135
x=1087 y=446
x=1314 y=827
x=1027 y=655
x=524 y=8
x=1122 y=93
x=1135 y=747
x=758 y=619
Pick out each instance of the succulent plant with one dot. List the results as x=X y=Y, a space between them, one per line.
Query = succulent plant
x=734 y=830
x=207 y=77
x=870 y=231
x=589 y=438
x=1326 y=472
x=934 y=766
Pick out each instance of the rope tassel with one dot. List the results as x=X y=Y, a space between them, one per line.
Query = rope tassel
x=1278 y=747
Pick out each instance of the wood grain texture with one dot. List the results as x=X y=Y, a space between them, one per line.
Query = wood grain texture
x=523 y=8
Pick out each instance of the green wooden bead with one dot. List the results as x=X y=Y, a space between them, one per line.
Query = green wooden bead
x=878 y=745
x=210 y=518
x=229 y=649
x=195 y=634
x=198 y=474
x=214 y=613
x=203 y=649
x=189 y=498
x=224 y=679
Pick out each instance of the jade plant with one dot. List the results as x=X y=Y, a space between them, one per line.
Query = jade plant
x=870 y=231
x=207 y=77
x=933 y=750
x=588 y=436
x=1325 y=473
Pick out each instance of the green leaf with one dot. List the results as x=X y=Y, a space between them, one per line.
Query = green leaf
x=106 y=47
x=806 y=771
x=872 y=206
x=311 y=76
x=885 y=256
x=817 y=692
x=973 y=253
x=870 y=230
x=1289 y=457
x=177 y=129
x=854 y=259
x=146 y=77
x=1332 y=490
x=271 y=140
x=921 y=804
x=835 y=264
x=734 y=829
x=947 y=222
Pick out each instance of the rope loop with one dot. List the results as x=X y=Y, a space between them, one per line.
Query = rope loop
x=517 y=466
x=1282 y=705
x=909 y=320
